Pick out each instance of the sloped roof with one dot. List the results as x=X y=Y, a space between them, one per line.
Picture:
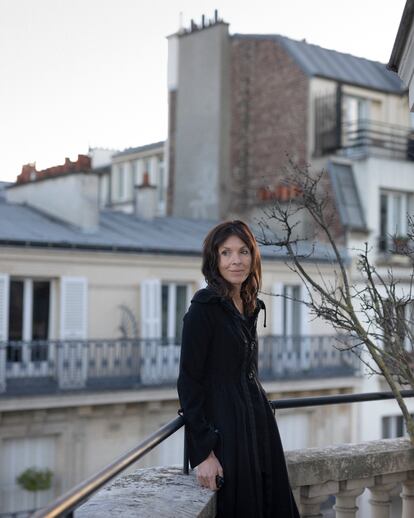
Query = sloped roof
x=139 y=149
x=316 y=61
x=21 y=225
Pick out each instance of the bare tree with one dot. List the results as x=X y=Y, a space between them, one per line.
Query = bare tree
x=369 y=307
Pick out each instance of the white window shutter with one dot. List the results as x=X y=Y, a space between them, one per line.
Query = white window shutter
x=151 y=308
x=277 y=309
x=4 y=307
x=73 y=308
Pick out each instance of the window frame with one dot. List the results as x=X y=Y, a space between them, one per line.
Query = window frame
x=168 y=327
x=392 y=224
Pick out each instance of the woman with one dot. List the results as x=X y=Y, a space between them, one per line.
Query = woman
x=231 y=429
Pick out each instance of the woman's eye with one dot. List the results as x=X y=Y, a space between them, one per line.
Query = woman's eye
x=245 y=251
x=224 y=252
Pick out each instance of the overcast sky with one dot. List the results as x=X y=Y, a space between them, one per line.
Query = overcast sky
x=80 y=73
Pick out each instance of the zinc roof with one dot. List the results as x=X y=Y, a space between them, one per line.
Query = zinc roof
x=21 y=225
x=339 y=66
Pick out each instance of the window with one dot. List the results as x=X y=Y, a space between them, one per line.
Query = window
x=19 y=454
x=121 y=182
x=394 y=208
x=355 y=113
x=174 y=304
x=291 y=310
x=393 y=427
x=29 y=312
x=399 y=324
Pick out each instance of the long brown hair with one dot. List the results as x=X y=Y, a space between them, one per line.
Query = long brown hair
x=212 y=242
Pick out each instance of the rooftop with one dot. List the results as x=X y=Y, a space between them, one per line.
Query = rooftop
x=22 y=225
x=140 y=149
x=317 y=61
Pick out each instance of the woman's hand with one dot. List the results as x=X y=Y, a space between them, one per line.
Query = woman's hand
x=208 y=470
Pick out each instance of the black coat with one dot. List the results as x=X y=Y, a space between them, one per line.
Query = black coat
x=226 y=409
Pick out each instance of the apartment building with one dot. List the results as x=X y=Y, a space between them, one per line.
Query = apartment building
x=241 y=105
x=92 y=292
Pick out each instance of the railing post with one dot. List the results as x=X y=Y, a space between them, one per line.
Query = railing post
x=185 y=460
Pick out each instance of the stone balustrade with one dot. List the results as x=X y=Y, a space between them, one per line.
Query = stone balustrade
x=347 y=470
x=344 y=471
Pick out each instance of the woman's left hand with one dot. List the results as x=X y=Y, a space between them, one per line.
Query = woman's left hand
x=208 y=470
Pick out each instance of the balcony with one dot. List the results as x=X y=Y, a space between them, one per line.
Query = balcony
x=326 y=482
x=365 y=138
x=47 y=367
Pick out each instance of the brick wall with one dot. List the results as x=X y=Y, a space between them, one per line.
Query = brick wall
x=269 y=116
x=269 y=123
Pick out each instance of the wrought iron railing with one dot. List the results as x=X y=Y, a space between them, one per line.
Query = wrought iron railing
x=379 y=138
x=51 y=366
x=361 y=137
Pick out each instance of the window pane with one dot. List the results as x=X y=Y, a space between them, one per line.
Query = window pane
x=296 y=324
x=14 y=353
x=383 y=222
x=164 y=310
x=181 y=307
x=41 y=299
x=16 y=311
x=400 y=426
x=396 y=215
x=386 y=433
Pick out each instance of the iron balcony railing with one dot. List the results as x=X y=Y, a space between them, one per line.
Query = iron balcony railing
x=54 y=366
x=377 y=138
x=363 y=137
x=65 y=505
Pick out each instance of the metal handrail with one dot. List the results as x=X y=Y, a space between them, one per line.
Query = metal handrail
x=69 y=501
x=72 y=499
x=335 y=400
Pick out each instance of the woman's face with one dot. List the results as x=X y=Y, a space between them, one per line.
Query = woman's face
x=235 y=261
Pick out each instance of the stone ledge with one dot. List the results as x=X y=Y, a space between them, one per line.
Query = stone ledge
x=349 y=461
x=162 y=492
x=165 y=492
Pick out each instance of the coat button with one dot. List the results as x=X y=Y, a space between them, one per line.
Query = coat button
x=250 y=375
x=252 y=345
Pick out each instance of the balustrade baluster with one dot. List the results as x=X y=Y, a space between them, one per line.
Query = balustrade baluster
x=311 y=498
x=380 y=500
x=407 y=495
x=345 y=506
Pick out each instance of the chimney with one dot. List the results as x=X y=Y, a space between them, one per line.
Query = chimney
x=146 y=202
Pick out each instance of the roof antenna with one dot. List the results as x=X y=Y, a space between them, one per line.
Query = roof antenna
x=180 y=21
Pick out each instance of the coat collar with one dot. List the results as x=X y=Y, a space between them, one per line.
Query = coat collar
x=209 y=295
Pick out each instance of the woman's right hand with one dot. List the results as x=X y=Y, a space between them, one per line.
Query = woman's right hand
x=208 y=470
